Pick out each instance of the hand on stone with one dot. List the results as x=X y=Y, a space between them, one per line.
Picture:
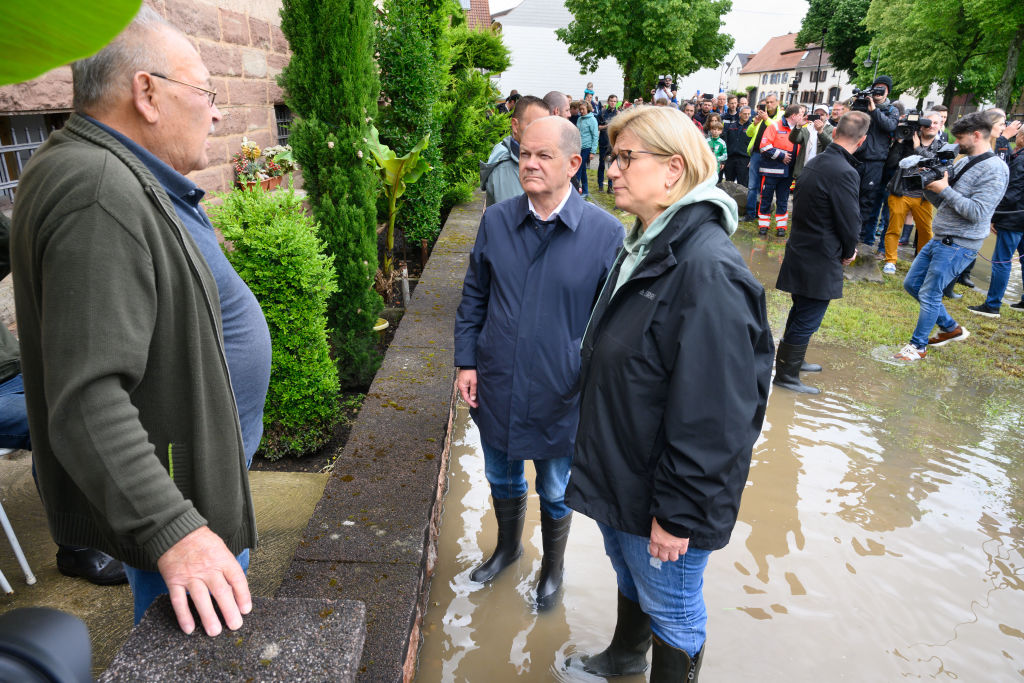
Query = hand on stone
x=198 y=566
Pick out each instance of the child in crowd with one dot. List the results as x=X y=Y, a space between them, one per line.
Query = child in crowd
x=717 y=145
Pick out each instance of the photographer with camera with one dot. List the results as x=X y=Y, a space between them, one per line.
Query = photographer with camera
x=965 y=199
x=873 y=153
x=811 y=139
x=917 y=140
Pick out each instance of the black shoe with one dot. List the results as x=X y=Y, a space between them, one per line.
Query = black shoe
x=984 y=310
x=810 y=367
x=966 y=281
x=554 y=534
x=511 y=515
x=1019 y=306
x=627 y=653
x=780 y=232
x=762 y=231
x=749 y=218
x=953 y=295
x=671 y=665
x=92 y=565
x=788 y=361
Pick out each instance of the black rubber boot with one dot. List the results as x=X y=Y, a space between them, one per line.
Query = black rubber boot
x=809 y=367
x=555 y=534
x=672 y=665
x=788 y=361
x=762 y=231
x=511 y=514
x=627 y=653
x=780 y=232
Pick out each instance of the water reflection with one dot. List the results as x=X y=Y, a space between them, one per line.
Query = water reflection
x=878 y=539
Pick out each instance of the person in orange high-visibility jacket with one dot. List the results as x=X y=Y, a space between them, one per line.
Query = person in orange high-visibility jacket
x=777 y=170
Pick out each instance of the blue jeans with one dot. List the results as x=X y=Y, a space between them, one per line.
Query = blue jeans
x=13 y=416
x=753 y=183
x=507 y=479
x=670 y=593
x=1006 y=243
x=582 y=172
x=147 y=586
x=935 y=267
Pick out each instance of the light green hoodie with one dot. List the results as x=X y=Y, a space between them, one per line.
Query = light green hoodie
x=637 y=241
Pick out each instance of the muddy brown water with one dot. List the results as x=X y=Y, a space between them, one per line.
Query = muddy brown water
x=879 y=539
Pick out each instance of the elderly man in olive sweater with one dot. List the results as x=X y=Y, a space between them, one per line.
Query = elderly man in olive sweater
x=146 y=359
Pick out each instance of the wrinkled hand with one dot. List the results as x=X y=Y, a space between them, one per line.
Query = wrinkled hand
x=467 y=386
x=198 y=566
x=664 y=545
x=848 y=261
x=939 y=185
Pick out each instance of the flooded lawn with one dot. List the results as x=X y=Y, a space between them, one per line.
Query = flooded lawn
x=879 y=539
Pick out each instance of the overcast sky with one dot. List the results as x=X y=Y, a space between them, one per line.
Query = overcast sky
x=751 y=23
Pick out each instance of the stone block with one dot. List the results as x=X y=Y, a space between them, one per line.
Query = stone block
x=388 y=590
x=254 y=63
x=277 y=39
x=275 y=93
x=276 y=62
x=247 y=93
x=232 y=119
x=194 y=19
x=221 y=59
x=258 y=118
x=234 y=27
x=210 y=178
x=259 y=34
x=50 y=91
x=282 y=639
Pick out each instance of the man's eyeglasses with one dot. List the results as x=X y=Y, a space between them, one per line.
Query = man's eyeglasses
x=623 y=157
x=211 y=95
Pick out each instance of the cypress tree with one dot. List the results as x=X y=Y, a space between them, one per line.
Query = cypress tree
x=414 y=58
x=331 y=85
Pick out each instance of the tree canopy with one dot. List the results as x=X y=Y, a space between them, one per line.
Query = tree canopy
x=647 y=37
x=844 y=30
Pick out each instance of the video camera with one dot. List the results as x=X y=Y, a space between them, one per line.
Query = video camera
x=910 y=124
x=861 y=97
x=928 y=170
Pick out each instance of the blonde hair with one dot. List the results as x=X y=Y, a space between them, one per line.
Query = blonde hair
x=666 y=130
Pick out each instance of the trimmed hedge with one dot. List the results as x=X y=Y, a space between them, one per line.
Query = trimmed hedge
x=276 y=251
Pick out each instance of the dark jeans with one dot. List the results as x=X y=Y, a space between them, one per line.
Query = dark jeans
x=753 y=183
x=13 y=416
x=804 y=319
x=736 y=169
x=871 y=196
x=582 y=173
x=602 y=153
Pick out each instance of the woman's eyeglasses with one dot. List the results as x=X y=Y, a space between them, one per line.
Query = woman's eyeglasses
x=623 y=157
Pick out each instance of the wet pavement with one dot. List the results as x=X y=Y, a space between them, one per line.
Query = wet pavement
x=879 y=538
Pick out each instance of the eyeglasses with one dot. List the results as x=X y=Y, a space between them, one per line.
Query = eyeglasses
x=623 y=157
x=211 y=95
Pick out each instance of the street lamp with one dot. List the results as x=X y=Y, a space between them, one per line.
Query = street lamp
x=868 y=62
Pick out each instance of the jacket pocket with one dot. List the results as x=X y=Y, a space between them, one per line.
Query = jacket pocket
x=179 y=467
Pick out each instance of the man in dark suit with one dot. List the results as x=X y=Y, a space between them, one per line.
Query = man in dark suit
x=823 y=239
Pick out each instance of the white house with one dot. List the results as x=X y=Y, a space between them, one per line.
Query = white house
x=542 y=63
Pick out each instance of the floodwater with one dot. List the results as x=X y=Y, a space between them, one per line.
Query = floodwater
x=879 y=539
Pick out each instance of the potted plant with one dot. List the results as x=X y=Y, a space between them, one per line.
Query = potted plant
x=265 y=168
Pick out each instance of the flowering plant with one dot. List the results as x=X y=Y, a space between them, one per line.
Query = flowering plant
x=253 y=164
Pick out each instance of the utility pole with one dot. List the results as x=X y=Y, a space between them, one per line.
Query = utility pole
x=817 y=75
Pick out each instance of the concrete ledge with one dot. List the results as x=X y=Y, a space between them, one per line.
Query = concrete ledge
x=281 y=640
x=373 y=535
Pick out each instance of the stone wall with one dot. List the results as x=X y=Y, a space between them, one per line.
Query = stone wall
x=241 y=44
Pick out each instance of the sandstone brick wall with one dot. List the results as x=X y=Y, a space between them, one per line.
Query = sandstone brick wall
x=241 y=44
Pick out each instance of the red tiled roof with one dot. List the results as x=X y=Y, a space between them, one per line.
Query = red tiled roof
x=479 y=14
x=778 y=54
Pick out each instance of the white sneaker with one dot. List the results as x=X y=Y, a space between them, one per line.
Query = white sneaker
x=910 y=353
x=889 y=269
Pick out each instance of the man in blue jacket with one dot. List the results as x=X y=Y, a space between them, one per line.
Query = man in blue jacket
x=534 y=273
x=872 y=155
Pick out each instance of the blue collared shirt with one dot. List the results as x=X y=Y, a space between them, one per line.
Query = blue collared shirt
x=246 y=337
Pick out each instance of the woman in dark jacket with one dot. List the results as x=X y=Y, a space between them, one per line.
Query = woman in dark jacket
x=675 y=369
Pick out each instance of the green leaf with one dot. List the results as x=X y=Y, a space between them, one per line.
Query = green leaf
x=39 y=36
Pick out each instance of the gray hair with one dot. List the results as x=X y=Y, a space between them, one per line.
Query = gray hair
x=98 y=78
x=744 y=107
x=569 y=140
x=556 y=101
